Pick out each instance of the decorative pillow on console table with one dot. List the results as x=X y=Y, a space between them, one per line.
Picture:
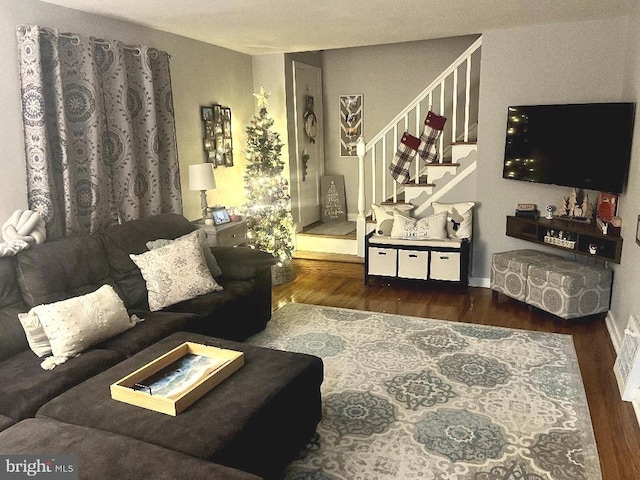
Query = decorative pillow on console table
x=212 y=263
x=460 y=219
x=384 y=216
x=175 y=272
x=71 y=326
x=432 y=227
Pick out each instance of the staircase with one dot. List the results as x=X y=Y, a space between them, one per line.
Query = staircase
x=455 y=92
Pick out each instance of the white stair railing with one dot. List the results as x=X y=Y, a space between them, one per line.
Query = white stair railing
x=455 y=99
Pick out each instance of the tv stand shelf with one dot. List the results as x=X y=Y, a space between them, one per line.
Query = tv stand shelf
x=609 y=248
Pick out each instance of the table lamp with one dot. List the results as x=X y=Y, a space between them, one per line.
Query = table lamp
x=201 y=178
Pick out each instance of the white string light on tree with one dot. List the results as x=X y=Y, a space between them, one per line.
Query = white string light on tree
x=270 y=224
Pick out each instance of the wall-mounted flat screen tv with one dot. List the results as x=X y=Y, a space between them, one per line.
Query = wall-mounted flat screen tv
x=575 y=145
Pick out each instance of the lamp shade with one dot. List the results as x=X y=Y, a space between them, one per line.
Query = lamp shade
x=201 y=177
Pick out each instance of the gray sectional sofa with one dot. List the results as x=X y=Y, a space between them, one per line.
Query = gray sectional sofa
x=73 y=266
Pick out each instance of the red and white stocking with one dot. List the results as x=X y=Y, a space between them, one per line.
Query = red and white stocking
x=401 y=162
x=433 y=126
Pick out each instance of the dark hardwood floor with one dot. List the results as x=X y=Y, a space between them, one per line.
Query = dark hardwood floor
x=614 y=421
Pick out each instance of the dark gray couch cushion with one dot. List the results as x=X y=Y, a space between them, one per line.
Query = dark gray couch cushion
x=62 y=269
x=154 y=327
x=235 y=313
x=5 y=422
x=26 y=386
x=242 y=263
x=9 y=292
x=103 y=455
x=12 y=337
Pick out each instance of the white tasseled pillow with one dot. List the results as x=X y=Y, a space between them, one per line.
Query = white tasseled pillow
x=73 y=325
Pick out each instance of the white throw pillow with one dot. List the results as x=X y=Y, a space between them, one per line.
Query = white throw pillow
x=404 y=225
x=212 y=263
x=175 y=272
x=73 y=325
x=432 y=227
x=383 y=215
x=460 y=221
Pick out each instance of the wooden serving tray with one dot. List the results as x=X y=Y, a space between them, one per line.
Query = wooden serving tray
x=178 y=378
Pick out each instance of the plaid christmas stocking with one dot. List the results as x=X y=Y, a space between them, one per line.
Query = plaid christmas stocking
x=401 y=162
x=433 y=126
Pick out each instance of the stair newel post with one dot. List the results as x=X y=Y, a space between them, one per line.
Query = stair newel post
x=361 y=220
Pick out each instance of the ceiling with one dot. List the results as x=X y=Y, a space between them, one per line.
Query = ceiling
x=282 y=26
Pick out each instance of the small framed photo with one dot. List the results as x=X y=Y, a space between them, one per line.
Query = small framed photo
x=217 y=113
x=638 y=231
x=207 y=114
x=226 y=122
x=221 y=216
x=228 y=153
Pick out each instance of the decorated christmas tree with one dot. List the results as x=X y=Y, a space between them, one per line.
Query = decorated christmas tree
x=267 y=211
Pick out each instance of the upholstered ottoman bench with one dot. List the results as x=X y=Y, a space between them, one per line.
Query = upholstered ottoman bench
x=569 y=289
x=257 y=420
x=107 y=456
x=509 y=271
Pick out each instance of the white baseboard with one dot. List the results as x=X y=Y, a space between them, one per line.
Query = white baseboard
x=479 y=282
x=636 y=408
x=614 y=333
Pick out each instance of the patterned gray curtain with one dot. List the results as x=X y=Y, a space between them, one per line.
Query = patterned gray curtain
x=99 y=131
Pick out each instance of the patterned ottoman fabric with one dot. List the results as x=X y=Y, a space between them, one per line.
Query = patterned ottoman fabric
x=509 y=270
x=569 y=289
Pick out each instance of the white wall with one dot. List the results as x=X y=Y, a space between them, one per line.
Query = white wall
x=269 y=71
x=202 y=74
x=626 y=300
x=565 y=63
x=389 y=77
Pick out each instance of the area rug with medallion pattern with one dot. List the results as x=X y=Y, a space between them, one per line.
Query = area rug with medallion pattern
x=414 y=398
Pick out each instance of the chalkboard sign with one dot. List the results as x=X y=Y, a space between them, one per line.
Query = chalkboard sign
x=333 y=198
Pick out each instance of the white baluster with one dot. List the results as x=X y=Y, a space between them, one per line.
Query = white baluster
x=374 y=171
x=384 y=168
x=441 y=139
x=454 y=115
x=361 y=220
x=467 y=100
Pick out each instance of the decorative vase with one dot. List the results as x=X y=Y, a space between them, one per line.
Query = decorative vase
x=282 y=272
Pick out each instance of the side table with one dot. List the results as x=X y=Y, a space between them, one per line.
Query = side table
x=232 y=234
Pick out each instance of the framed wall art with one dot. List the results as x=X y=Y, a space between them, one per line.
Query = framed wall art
x=217 y=141
x=226 y=135
x=351 y=123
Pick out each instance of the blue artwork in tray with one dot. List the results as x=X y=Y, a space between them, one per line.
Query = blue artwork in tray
x=179 y=376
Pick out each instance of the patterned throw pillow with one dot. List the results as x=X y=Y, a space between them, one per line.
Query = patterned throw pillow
x=383 y=215
x=404 y=225
x=175 y=272
x=428 y=228
x=212 y=263
x=73 y=325
x=460 y=220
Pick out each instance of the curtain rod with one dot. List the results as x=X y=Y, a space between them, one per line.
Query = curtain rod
x=75 y=39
